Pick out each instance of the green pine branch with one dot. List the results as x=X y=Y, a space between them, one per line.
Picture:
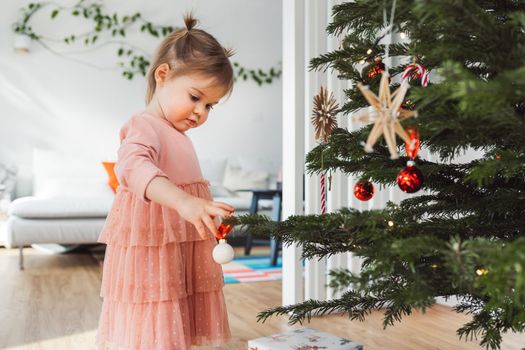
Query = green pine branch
x=465 y=236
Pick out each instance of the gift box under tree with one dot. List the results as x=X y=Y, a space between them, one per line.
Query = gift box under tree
x=303 y=339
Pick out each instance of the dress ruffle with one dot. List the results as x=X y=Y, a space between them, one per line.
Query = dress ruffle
x=141 y=274
x=162 y=289
x=201 y=319
x=133 y=222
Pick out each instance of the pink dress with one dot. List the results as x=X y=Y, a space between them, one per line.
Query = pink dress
x=161 y=287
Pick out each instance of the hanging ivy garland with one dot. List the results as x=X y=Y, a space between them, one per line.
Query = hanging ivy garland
x=134 y=60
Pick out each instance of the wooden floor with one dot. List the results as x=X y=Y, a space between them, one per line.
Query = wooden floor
x=54 y=304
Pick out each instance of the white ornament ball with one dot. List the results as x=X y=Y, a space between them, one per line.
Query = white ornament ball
x=223 y=252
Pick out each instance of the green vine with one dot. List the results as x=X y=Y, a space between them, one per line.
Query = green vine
x=134 y=60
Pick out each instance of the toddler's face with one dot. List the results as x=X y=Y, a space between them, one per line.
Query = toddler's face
x=188 y=99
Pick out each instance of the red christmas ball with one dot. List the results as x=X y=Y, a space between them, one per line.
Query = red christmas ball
x=410 y=179
x=223 y=231
x=375 y=71
x=364 y=190
x=378 y=68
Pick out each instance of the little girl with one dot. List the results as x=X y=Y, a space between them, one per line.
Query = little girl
x=161 y=288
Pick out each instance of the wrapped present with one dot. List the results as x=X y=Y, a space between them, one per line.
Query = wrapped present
x=303 y=339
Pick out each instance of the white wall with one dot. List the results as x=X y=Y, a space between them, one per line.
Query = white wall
x=52 y=102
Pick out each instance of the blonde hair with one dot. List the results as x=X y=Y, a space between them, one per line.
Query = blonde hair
x=192 y=51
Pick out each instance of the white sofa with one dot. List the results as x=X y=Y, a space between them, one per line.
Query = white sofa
x=71 y=197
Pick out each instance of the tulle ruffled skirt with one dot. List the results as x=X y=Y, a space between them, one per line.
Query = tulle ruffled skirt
x=196 y=320
x=161 y=288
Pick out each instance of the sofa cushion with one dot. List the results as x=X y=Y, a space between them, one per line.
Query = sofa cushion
x=63 y=174
x=243 y=203
x=236 y=178
x=61 y=207
x=218 y=190
x=8 y=173
x=112 y=177
x=213 y=169
x=255 y=163
x=3 y=173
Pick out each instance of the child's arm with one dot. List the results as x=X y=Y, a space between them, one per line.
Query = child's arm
x=198 y=211
x=137 y=170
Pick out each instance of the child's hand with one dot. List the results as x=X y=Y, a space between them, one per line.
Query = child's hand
x=201 y=212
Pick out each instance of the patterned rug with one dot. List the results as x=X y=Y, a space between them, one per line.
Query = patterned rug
x=252 y=268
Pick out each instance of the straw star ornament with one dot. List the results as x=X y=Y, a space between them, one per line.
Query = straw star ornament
x=387 y=114
x=324 y=114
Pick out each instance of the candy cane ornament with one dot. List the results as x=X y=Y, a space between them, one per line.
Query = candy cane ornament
x=323 y=194
x=419 y=71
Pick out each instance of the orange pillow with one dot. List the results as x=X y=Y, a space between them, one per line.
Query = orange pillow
x=112 y=178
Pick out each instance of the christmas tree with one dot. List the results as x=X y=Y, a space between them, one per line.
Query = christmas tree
x=464 y=233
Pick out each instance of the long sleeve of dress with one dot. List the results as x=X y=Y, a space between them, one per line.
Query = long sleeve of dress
x=138 y=155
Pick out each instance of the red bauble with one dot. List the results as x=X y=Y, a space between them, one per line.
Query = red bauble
x=378 y=68
x=413 y=147
x=223 y=230
x=410 y=179
x=364 y=190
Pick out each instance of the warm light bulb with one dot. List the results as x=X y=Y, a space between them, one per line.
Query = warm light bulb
x=369 y=51
x=481 y=271
x=402 y=35
x=362 y=62
x=390 y=223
